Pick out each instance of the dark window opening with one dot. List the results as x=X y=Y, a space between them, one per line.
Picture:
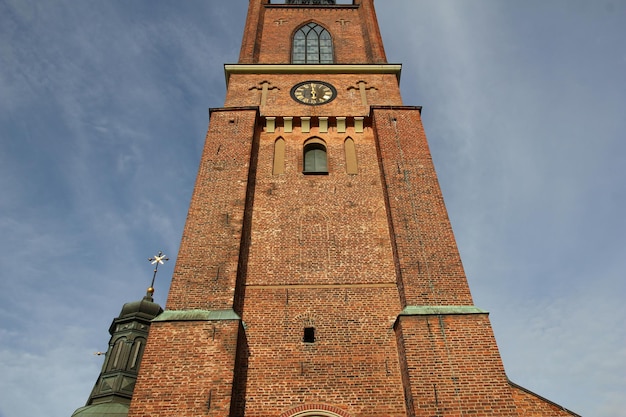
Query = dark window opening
x=315 y=159
x=309 y=335
x=310 y=2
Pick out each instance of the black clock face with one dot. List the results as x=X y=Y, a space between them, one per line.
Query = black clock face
x=313 y=93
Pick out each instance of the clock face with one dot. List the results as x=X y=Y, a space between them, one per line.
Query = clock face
x=313 y=93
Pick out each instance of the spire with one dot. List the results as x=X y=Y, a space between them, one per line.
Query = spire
x=113 y=390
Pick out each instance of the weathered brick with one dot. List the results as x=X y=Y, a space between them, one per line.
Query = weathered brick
x=343 y=254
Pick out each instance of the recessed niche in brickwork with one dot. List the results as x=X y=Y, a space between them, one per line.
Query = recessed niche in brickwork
x=350 y=154
x=315 y=244
x=309 y=335
x=279 y=156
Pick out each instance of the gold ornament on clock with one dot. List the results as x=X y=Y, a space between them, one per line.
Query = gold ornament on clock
x=313 y=93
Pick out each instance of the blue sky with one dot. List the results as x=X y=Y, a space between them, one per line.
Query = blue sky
x=103 y=112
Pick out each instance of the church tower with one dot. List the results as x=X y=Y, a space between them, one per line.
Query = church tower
x=318 y=274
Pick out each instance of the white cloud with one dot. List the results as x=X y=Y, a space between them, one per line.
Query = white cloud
x=53 y=370
x=103 y=115
x=521 y=111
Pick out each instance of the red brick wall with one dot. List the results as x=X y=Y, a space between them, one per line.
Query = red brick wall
x=321 y=256
x=341 y=253
x=244 y=90
x=205 y=275
x=188 y=371
x=427 y=256
x=532 y=405
x=373 y=42
x=453 y=366
x=353 y=363
x=269 y=29
x=319 y=229
x=252 y=32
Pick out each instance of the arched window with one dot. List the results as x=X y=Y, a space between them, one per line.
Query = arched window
x=315 y=158
x=136 y=353
x=312 y=44
x=116 y=355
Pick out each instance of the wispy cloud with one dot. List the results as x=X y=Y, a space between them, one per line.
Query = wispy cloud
x=521 y=108
x=103 y=111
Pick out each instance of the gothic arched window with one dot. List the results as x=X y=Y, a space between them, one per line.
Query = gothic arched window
x=315 y=158
x=312 y=44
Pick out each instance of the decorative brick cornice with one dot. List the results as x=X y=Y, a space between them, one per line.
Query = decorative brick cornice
x=323 y=123
x=379 y=107
x=312 y=69
x=313 y=6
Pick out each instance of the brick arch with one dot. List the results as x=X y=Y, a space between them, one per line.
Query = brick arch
x=307 y=319
x=315 y=410
x=311 y=145
x=314 y=139
x=303 y=24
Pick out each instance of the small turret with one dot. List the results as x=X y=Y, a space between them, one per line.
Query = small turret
x=113 y=390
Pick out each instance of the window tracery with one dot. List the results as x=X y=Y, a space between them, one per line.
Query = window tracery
x=312 y=44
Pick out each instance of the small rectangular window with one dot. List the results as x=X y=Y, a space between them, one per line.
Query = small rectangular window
x=309 y=335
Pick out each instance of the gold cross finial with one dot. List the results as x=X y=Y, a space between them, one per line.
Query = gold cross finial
x=158 y=259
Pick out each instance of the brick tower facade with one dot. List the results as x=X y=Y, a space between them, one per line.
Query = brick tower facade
x=318 y=274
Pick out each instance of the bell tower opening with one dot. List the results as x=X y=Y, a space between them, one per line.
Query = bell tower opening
x=310 y=2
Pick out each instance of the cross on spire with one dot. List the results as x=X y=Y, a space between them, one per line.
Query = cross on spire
x=158 y=259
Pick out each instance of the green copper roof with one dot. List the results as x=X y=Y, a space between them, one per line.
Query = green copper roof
x=197 y=315
x=102 y=410
x=436 y=310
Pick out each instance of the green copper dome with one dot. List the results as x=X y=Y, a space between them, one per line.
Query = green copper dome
x=145 y=308
x=102 y=410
